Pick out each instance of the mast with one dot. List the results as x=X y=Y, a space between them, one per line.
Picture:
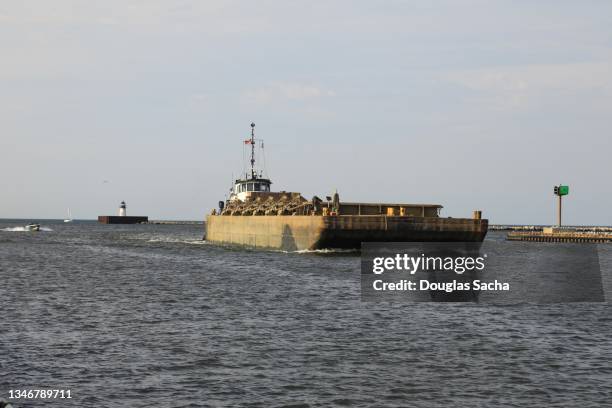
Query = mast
x=253 y=175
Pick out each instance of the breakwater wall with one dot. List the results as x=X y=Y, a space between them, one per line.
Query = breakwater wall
x=164 y=222
x=561 y=236
x=537 y=228
x=113 y=219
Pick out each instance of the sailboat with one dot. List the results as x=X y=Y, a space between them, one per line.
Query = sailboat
x=69 y=219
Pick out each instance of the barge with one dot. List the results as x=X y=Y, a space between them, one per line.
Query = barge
x=253 y=216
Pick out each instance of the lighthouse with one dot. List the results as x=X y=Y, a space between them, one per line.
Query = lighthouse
x=123 y=217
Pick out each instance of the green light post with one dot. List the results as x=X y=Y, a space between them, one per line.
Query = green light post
x=560 y=191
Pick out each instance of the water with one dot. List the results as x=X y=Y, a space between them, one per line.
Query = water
x=150 y=315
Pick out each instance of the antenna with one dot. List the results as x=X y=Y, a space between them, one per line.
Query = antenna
x=253 y=175
x=263 y=158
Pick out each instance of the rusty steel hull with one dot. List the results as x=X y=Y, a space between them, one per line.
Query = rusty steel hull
x=310 y=232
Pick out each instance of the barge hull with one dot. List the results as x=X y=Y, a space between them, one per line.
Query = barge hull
x=310 y=232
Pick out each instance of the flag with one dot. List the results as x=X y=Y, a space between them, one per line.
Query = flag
x=248 y=141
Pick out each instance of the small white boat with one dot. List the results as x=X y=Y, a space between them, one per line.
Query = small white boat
x=69 y=219
x=32 y=227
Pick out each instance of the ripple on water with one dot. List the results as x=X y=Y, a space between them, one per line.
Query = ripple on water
x=154 y=316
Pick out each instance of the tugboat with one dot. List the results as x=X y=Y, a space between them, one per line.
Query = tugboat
x=253 y=216
x=253 y=182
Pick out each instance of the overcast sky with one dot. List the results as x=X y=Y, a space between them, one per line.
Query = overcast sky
x=469 y=104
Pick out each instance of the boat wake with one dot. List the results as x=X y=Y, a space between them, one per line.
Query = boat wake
x=324 y=251
x=24 y=229
x=177 y=241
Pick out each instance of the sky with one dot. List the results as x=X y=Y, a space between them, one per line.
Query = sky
x=469 y=104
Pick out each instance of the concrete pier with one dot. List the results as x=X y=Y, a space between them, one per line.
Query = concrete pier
x=165 y=222
x=498 y=227
x=537 y=228
x=560 y=235
x=111 y=219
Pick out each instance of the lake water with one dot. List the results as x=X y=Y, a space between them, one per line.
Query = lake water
x=151 y=315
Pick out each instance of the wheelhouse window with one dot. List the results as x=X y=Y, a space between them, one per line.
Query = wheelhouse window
x=240 y=188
